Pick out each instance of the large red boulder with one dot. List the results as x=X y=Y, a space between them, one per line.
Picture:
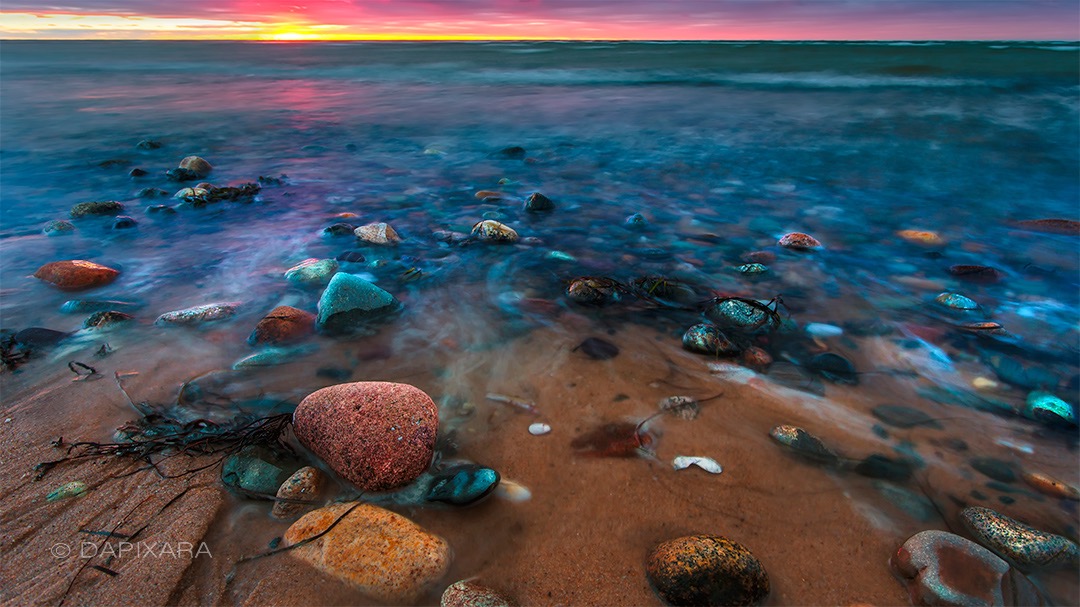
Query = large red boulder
x=76 y=274
x=376 y=435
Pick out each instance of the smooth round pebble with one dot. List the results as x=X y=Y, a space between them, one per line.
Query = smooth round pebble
x=1021 y=544
x=468 y=594
x=539 y=428
x=706 y=570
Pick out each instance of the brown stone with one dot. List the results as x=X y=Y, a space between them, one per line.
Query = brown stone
x=468 y=594
x=302 y=486
x=384 y=554
x=284 y=324
x=1051 y=226
x=707 y=570
x=76 y=274
x=377 y=435
x=799 y=241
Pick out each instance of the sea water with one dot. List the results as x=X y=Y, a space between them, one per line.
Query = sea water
x=722 y=148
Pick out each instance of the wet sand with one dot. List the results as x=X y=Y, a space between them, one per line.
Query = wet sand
x=824 y=536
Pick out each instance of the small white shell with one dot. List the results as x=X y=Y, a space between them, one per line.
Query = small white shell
x=512 y=492
x=539 y=428
x=707 y=464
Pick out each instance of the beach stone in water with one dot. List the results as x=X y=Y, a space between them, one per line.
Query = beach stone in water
x=99 y=320
x=468 y=594
x=1047 y=408
x=1051 y=226
x=900 y=416
x=976 y=273
x=349 y=303
x=198 y=314
x=706 y=570
x=340 y=229
x=1051 y=486
x=39 y=337
x=514 y=152
x=593 y=290
x=994 y=468
x=799 y=241
x=737 y=315
x=880 y=466
x=377 y=233
x=284 y=324
x=803 y=443
x=462 y=485
x=705 y=338
x=76 y=274
x=304 y=484
x=834 y=368
x=955 y=301
x=636 y=221
x=312 y=272
x=383 y=554
x=106 y=207
x=123 y=222
x=58 y=227
x=490 y=230
x=1026 y=546
x=941 y=568
x=250 y=471
x=198 y=167
x=377 y=435
x=598 y=349
x=538 y=202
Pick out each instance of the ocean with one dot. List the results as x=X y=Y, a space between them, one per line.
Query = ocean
x=921 y=168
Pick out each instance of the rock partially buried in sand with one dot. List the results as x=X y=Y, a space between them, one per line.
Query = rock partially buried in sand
x=76 y=274
x=107 y=207
x=803 y=443
x=284 y=324
x=799 y=241
x=377 y=435
x=198 y=314
x=940 y=568
x=468 y=594
x=377 y=233
x=312 y=272
x=706 y=570
x=385 y=555
x=350 y=304
x=303 y=485
x=1021 y=544
x=490 y=230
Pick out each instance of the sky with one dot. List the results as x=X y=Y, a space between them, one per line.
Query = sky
x=543 y=19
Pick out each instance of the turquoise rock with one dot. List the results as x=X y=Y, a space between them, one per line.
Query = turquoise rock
x=350 y=304
x=1026 y=546
x=1045 y=407
x=462 y=485
x=709 y=339
x=739 y=315
x=58 y=227
x=753 y=268
x=79 y=306
x=636 y=221
x=72 y=489
x=273 y=356
x=249 y=471
x=955 y=301
x=312 y=272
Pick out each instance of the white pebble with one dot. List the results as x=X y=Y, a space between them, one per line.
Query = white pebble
x=513 y=492
x=707 y=464
x=819 y=329
x=539 y=428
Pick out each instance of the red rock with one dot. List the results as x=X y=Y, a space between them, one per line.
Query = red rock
x=762 y=257
x=284 y=324
x=76 y=274
x=799 y=241
x=1052 y=226
x=376 y=435
x=756 y=358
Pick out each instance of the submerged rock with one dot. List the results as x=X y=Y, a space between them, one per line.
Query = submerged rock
x=514 y=152
x=107 y=207
x=538 y=202
x=39 y=337
x=303 y=485
x=76 y=274
x=377 y=233
x=955 y=301
x=901 y=416
x=350 y=304
x=706 y=570
x=753 y=268
x=383 y=554
x=594 y=290
x=940 y=568
x=804 y=444
x=740 y=315
x=376 y=435
x=1048 y=485
x=340 y=229
x=100 y=320
x=251 y=470
x=1051 y=226
x=976 y=273
x=799 y=241
x=923 y=237
x=272 y=356
x=636 y=221
x=78 y=306
x=198 y=167
x=834 y=368
x=598 y=349
x=148 y=144
x=312 y=272
x=1049 y=409
x=284 y=324
x=462 y=485
x=123 y=222
x=468 y=594
x=199 y=314
x=58 y=227
x=490 y=230
x=705 y=338
x=1021 y=544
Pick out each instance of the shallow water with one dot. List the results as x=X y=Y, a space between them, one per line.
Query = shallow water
x=722 y=148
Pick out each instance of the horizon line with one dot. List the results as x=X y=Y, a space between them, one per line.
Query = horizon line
x=516 y=39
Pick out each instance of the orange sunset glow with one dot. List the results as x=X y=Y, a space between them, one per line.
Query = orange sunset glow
x=543 y=19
